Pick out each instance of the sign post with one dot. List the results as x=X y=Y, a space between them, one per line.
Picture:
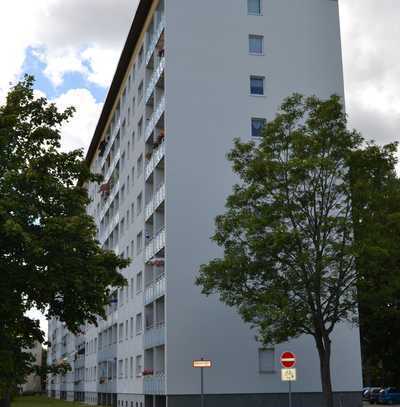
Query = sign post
x=202 y=364
x=288 y=362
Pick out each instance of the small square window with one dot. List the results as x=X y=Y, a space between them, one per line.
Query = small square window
x=257 y=85
x=256 y=44
x=254 y=7
x=257 y=126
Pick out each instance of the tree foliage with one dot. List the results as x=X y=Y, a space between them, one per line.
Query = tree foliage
x=49 y=256
x=376 y=212
x=287 y=233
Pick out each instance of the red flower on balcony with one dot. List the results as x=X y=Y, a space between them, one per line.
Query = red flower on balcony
x=148 y=372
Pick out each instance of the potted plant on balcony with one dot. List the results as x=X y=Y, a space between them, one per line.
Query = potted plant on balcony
x=148 y=372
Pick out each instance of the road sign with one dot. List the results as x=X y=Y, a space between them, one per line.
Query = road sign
x=202 y=364
x=288 y=360
x=289 y=375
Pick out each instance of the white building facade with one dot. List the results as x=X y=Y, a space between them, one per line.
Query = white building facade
x=193 y=75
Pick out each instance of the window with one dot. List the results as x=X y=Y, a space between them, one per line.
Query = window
x=139 y=365
x=120 y=368
x=131 y=369
x=126 y=330
x=140 y=128
x=256 y=85
x=121 y=332
x=139 y=165
x=266 y=360
x=256 y=44
x=139 y=326
x=139 y=247
x=132 y=280
x=132 y=327
x=257 y=126
x=126 y=368
x=139 y=282
x=139 y=204
x=254 y=7
x=140 y=57
x=140 y=91
x=133 y=216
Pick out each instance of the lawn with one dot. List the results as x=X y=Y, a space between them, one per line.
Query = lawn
x=37 y=401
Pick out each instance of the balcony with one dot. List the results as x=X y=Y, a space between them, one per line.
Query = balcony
x=112 y=165
x=155 y=290
x=156 y=157
x=155 y=245
x=154 y=336
x=155 y=117
x=110 y=142
x=154 y=79
x=155 y=38
x=155 y=202
x=109 y=228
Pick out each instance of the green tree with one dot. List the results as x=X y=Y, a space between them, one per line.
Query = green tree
x=49 y=256
x=288 y=263
x=376 y=212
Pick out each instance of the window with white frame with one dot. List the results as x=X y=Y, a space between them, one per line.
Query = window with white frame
x=254 y=7
x=121 y=332
x=139 y=324
x=257 y=85
x=256 y=44
x=131 y=368
x=126 y=330
x=257 y=126
x=139 y=365
x=139 y=282
x=132 y=328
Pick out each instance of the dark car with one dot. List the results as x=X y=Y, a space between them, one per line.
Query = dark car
x=367 y=391
x=390 y=396
x=374 y=395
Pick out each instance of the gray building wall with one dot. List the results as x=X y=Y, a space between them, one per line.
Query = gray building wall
x=208 y=104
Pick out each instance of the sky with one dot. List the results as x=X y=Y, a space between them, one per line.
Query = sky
x=72 y=47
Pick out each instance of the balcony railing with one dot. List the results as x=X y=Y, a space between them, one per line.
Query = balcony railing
x=155 y=290
x=110 y=227
x=155 y=159
x=110 y=142
x=155 y=38
x=154 y=384
x=155 y=117
x=155 y=245
x=154 y=79
x=155 y=202
x=154 y=336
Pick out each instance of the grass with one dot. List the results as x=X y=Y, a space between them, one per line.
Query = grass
x=38 y=401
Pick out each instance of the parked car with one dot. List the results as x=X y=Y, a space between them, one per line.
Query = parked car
x=366 y=392
x=373 y=397
x=391 y=395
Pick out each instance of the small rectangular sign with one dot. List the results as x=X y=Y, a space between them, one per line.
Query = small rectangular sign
x=289 y=375
x=204 y=364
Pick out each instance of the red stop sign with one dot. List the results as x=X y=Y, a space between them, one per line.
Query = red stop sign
x=288 y=360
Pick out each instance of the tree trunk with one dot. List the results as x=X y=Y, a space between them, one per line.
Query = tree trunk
x=324 y=351
x=6 y=400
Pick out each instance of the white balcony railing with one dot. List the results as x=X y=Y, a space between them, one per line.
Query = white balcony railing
x=154 y=79
x=155 y=117
x=156 y=157
x=154 y=336
x=154 y=384
x=157 y=199
x=155 y=38
x=155 y=290
x=110 y=227
x=155 y=245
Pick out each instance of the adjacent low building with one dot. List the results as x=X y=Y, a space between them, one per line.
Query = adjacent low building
x=193 y=75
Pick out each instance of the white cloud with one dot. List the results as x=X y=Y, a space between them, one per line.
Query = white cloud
x=78 y=132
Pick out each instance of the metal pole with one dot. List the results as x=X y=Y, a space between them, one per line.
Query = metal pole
x=290 y=393
x=202 y=387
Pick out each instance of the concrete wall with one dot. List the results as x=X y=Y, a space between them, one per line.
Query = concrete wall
x=208 y=104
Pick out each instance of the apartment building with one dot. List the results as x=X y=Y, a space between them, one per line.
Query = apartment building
x=192 y=76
